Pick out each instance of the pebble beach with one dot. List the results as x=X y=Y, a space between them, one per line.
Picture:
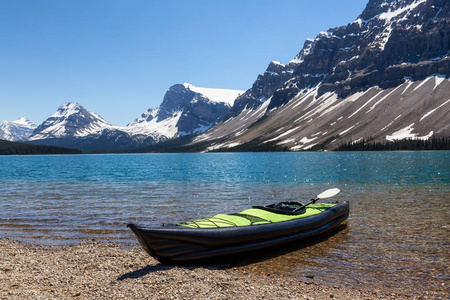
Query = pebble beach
x=99 y=270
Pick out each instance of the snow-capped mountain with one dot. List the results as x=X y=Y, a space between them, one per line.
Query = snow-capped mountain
x=186 y=109
x=73 y=126
x=383 y=76
x=70 y=120
x=17 y=130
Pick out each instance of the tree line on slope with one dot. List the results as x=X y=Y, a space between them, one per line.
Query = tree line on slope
x=434 y=143
x=183 y=145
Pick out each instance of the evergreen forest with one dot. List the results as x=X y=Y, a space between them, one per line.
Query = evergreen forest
x=434 y=143
x=15 y=148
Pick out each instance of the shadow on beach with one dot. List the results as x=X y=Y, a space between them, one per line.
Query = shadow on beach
x=144 y=271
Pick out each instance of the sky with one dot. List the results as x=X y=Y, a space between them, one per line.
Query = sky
x=117 y=58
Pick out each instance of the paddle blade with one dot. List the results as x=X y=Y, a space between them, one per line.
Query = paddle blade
x=328 y=193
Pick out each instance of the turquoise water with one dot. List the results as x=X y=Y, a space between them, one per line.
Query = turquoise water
x=397 y=234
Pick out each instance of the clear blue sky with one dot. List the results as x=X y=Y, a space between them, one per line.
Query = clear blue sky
x=117 y=58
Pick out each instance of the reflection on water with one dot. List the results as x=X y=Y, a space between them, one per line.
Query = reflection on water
x=396 y=237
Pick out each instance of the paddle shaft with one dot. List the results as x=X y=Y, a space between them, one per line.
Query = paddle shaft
x=305 y=205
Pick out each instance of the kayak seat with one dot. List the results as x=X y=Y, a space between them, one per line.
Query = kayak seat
x=287 y=207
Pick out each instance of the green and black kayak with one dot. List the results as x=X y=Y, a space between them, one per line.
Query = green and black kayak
x=249 y=230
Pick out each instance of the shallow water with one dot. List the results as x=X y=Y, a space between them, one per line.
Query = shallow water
x=396 y=238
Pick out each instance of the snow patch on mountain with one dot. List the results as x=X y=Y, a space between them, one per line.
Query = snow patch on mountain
x=390 y=14
x=216 y=95
x=407 y=133
x=433 y=110
x=148 y=124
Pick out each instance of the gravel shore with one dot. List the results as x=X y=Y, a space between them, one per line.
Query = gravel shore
x=97 y=270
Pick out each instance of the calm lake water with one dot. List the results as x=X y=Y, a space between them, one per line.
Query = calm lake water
x=396 y=238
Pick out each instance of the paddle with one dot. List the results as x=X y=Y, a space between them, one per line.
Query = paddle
x=326 y=194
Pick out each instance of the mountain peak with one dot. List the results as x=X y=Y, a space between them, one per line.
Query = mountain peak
x=70 y=105
x=24 y=121
x=71 y=119
x=386 y=9
x=68 y=108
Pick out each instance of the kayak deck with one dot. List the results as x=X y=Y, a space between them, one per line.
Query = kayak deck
x=255 y=216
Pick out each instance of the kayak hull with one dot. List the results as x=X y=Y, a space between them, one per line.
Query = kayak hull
x=184 y=244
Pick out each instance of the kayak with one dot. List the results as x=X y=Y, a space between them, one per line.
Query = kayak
x=249 y=230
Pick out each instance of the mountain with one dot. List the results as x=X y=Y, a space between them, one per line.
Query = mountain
x=384 y=76
x=70 y=120
x=16 y=130
x=74 y=127
x=185 y=110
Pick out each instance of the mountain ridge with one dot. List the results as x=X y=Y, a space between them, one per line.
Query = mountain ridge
x=402 y=42
x=369 y=52
x=185 y=110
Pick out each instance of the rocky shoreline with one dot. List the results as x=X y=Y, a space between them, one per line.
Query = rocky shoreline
x=97 y=270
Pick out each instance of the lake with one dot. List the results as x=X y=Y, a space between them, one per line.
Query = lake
x=396 y=238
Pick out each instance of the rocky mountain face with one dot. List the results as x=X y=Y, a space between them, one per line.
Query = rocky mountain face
x=185 y=110
x=390 y=40
x=359 y=70
x=16 y=130
x=414 y=109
